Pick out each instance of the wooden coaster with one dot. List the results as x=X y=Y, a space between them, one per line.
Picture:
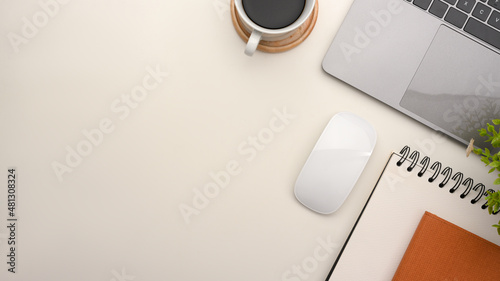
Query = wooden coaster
x=297 y=37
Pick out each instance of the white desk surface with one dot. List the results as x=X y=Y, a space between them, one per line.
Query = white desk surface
x=115 y=212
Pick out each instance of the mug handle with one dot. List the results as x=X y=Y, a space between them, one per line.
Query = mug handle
x=253 y=42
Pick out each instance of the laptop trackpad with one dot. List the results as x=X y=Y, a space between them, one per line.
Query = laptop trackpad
x=457 y=86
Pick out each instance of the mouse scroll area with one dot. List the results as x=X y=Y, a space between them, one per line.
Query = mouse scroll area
x=335 y=163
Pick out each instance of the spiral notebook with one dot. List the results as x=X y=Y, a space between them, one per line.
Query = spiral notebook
x=409 y=186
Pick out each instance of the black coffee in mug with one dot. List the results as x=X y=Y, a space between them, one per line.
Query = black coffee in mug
x=273 y=14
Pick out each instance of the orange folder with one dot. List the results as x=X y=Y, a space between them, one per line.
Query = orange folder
x=440 y=250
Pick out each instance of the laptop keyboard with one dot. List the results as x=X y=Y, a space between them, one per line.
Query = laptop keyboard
x=479 y=18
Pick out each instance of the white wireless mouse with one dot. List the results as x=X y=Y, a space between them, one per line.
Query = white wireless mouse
x=335 y=163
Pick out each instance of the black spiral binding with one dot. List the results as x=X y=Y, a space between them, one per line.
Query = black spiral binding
x=447 y=172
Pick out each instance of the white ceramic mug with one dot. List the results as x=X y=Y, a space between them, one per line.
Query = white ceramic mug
x=259 y=33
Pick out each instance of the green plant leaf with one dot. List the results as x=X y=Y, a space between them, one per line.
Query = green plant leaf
x=495 y=142
x=493 y=200
x=494 y=157
x=485 y=160
x=490 y=128
x=496 y=121
x=498 y=227
x=494 y=164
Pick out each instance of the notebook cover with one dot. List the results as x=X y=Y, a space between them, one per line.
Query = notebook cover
x=440 y=250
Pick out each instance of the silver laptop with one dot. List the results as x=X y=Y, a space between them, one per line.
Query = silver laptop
x=435 y=60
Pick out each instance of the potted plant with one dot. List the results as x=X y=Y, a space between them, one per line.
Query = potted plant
x=491 y=160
